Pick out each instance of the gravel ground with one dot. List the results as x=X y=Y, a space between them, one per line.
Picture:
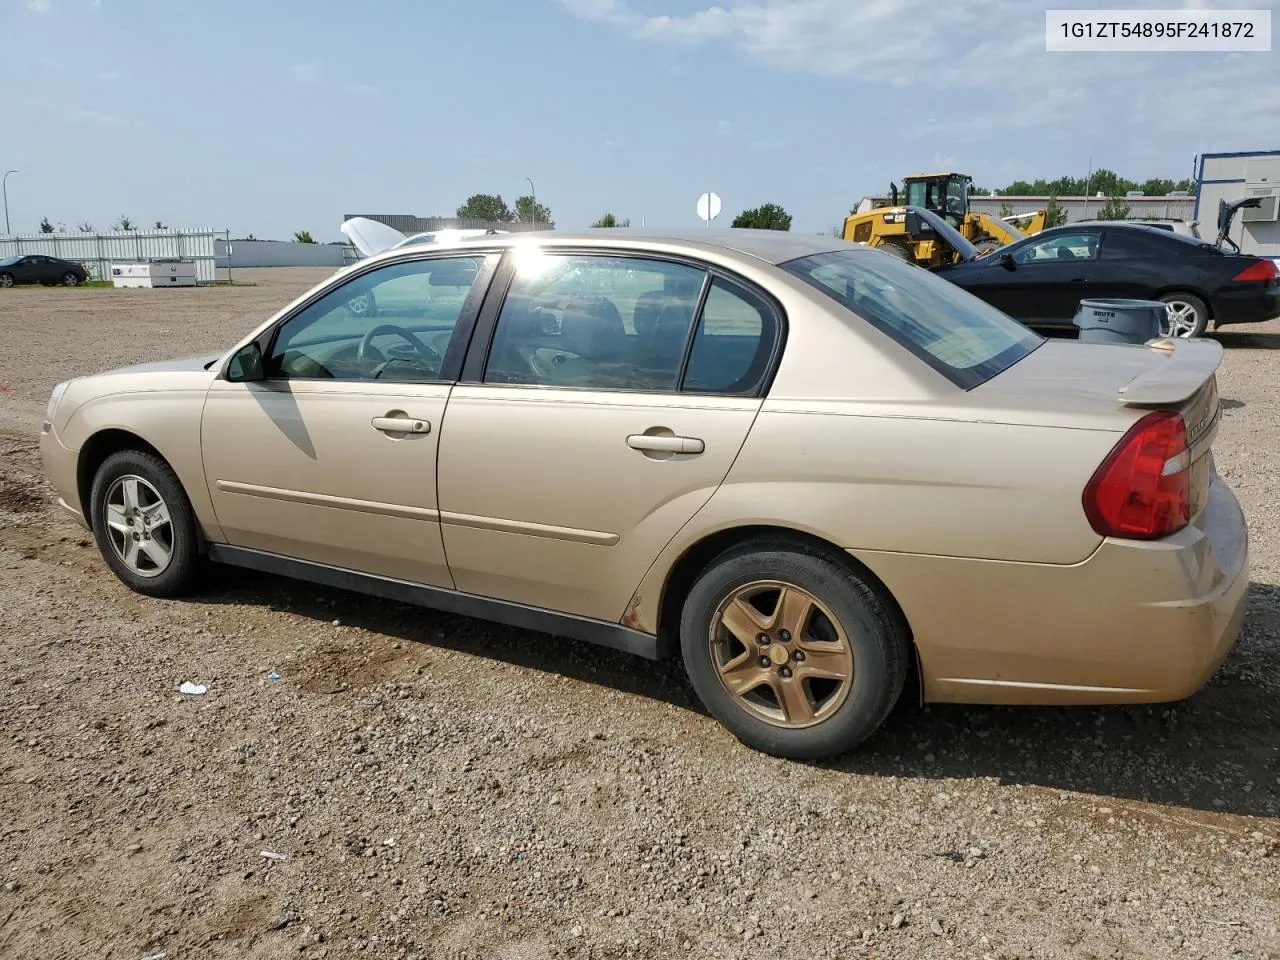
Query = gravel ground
x=422 y=785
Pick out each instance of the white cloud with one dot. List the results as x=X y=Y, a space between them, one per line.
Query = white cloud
x=40 y=6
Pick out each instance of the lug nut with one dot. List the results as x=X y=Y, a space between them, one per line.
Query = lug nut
x=785 y=636
x=763 y=639
x=785 y=672
x=765 y=661
x=798 y=656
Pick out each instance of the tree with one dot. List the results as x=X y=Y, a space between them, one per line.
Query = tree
x=159 y=226
x=1054 y=215
x=46 y=226
x=609 y=220
x=124 y=224
x=1114 y=209
x=486 y=206
x=303 y=236
x=1006 y=210
x=527 y=211
x=85 y=227
x=979 y=192
x=767 y=216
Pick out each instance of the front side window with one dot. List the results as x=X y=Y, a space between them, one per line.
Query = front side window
x=963 y=338
x=597 y=322
x=392 y=323
x=1061 y=247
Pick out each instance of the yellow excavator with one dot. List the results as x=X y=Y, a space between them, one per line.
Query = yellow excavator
x=947 y=195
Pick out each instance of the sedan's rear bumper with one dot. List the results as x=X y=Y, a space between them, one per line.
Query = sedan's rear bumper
x=1246 y=303
x=1135 y=622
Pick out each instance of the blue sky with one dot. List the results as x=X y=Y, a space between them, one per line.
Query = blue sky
x=269 y=117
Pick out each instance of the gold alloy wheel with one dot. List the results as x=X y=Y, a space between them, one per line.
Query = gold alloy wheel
x=781 y=654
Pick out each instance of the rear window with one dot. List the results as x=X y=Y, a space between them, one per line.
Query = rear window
x=963 y=338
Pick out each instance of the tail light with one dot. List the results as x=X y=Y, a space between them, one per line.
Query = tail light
x=1260 y=270
x=1142 y=491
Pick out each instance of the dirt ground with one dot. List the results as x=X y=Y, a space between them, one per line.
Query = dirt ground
x=432 y=786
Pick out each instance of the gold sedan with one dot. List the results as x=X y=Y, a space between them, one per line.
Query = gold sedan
x=823 y=475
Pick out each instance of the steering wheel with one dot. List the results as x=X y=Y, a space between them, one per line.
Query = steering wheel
x=366 y=343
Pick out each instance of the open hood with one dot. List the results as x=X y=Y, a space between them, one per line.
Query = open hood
x=953 y=237
x=370 y=237
x=1227 y=214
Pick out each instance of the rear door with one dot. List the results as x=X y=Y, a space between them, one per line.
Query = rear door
x=609 y=404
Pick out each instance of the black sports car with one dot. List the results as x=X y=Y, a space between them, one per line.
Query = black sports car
x=1040 y=280
x=37 y=268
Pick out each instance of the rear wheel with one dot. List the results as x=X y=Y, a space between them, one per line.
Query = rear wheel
x=794 y=652
x=1185 y=315
x=897 y=250
x=144 y=524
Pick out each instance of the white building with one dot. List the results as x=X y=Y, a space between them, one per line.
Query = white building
x=1231 y=176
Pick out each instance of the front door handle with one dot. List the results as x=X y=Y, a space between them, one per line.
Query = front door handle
x=400 y=425
x=665 y=444
x=1079 y=279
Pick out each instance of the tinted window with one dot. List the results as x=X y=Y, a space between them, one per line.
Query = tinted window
x=1082 y=245
x=960 y=336
x=613 y=323
x=392 y=323
x=9 y=261
x=1131 y=245
x=733 y=342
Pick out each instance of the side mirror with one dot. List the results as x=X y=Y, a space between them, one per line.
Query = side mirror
x=1006 y=260
x=246 y=364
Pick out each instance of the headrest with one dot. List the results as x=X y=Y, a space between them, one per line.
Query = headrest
x=592 y=328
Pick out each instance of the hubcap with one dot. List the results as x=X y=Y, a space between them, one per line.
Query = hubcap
x=1180 y=319
x=781 y=654
x=6 y=281
x=139 y=526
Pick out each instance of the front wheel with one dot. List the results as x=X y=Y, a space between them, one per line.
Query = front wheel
x=897 y=250
x=144 y=524
x=794 y=652
x=69 y=279
x=6 y=280
x=1186 y=315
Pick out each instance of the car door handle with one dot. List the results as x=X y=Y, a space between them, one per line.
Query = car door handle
x=1079 y=279
x=400 y=425
x=665 y=444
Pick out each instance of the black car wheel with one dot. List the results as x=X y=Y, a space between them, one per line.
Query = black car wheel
x=793 y=651
x=1186 y=315
x=70 y=279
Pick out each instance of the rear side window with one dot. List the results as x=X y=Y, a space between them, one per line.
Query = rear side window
x=733 y=343
x=1130 y=245
x=963 y=338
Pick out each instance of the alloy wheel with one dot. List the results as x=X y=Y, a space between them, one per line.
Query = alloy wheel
x=781 y=654
x=1180 y=319
x=139 y=526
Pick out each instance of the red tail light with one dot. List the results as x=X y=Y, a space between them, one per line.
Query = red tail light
x=1142 y=491
x=1262 y=270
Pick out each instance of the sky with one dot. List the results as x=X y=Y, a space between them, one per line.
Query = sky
x=270 y=117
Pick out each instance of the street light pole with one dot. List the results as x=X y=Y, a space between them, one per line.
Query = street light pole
x=533 y=196
x=4 y=188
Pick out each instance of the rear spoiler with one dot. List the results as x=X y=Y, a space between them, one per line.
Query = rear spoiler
x=1187 y=367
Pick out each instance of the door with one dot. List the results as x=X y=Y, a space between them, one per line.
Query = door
x=51 y=270
x=1132 y=265
x=332 y=456
x=28 y=270
x=1047 y=279
x=616 y=393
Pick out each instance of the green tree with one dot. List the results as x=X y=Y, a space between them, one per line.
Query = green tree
x=124 y=224
x=303 y=236
x=1114 y=209
x=767 y=216
x=528 y=211
x=46 y=226
x=159 y=226
x=486 y=206
x=1054 y=215
x=609 y=220
x=1006 y=210
x=85 y=227
x=979 y=192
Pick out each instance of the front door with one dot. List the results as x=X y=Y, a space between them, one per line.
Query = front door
x=1050 y=277
x=610 y=408
x=332 y=457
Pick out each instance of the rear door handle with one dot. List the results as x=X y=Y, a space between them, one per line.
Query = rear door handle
x=664 y=444
x=400 y=425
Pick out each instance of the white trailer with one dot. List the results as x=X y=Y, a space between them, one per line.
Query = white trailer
x=154 y=273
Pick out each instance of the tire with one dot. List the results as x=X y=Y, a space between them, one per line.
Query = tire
x=986 y=246
x=897 y=250
x=844 y=608
x=145 y=576
x=1187 y=313
x=69 y=279
x=6 y=279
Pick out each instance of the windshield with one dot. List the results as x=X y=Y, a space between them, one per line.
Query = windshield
x=9 y=261
x=960 y=336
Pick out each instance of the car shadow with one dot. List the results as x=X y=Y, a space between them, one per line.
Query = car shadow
x=1240 y=340
x=1218 y=751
